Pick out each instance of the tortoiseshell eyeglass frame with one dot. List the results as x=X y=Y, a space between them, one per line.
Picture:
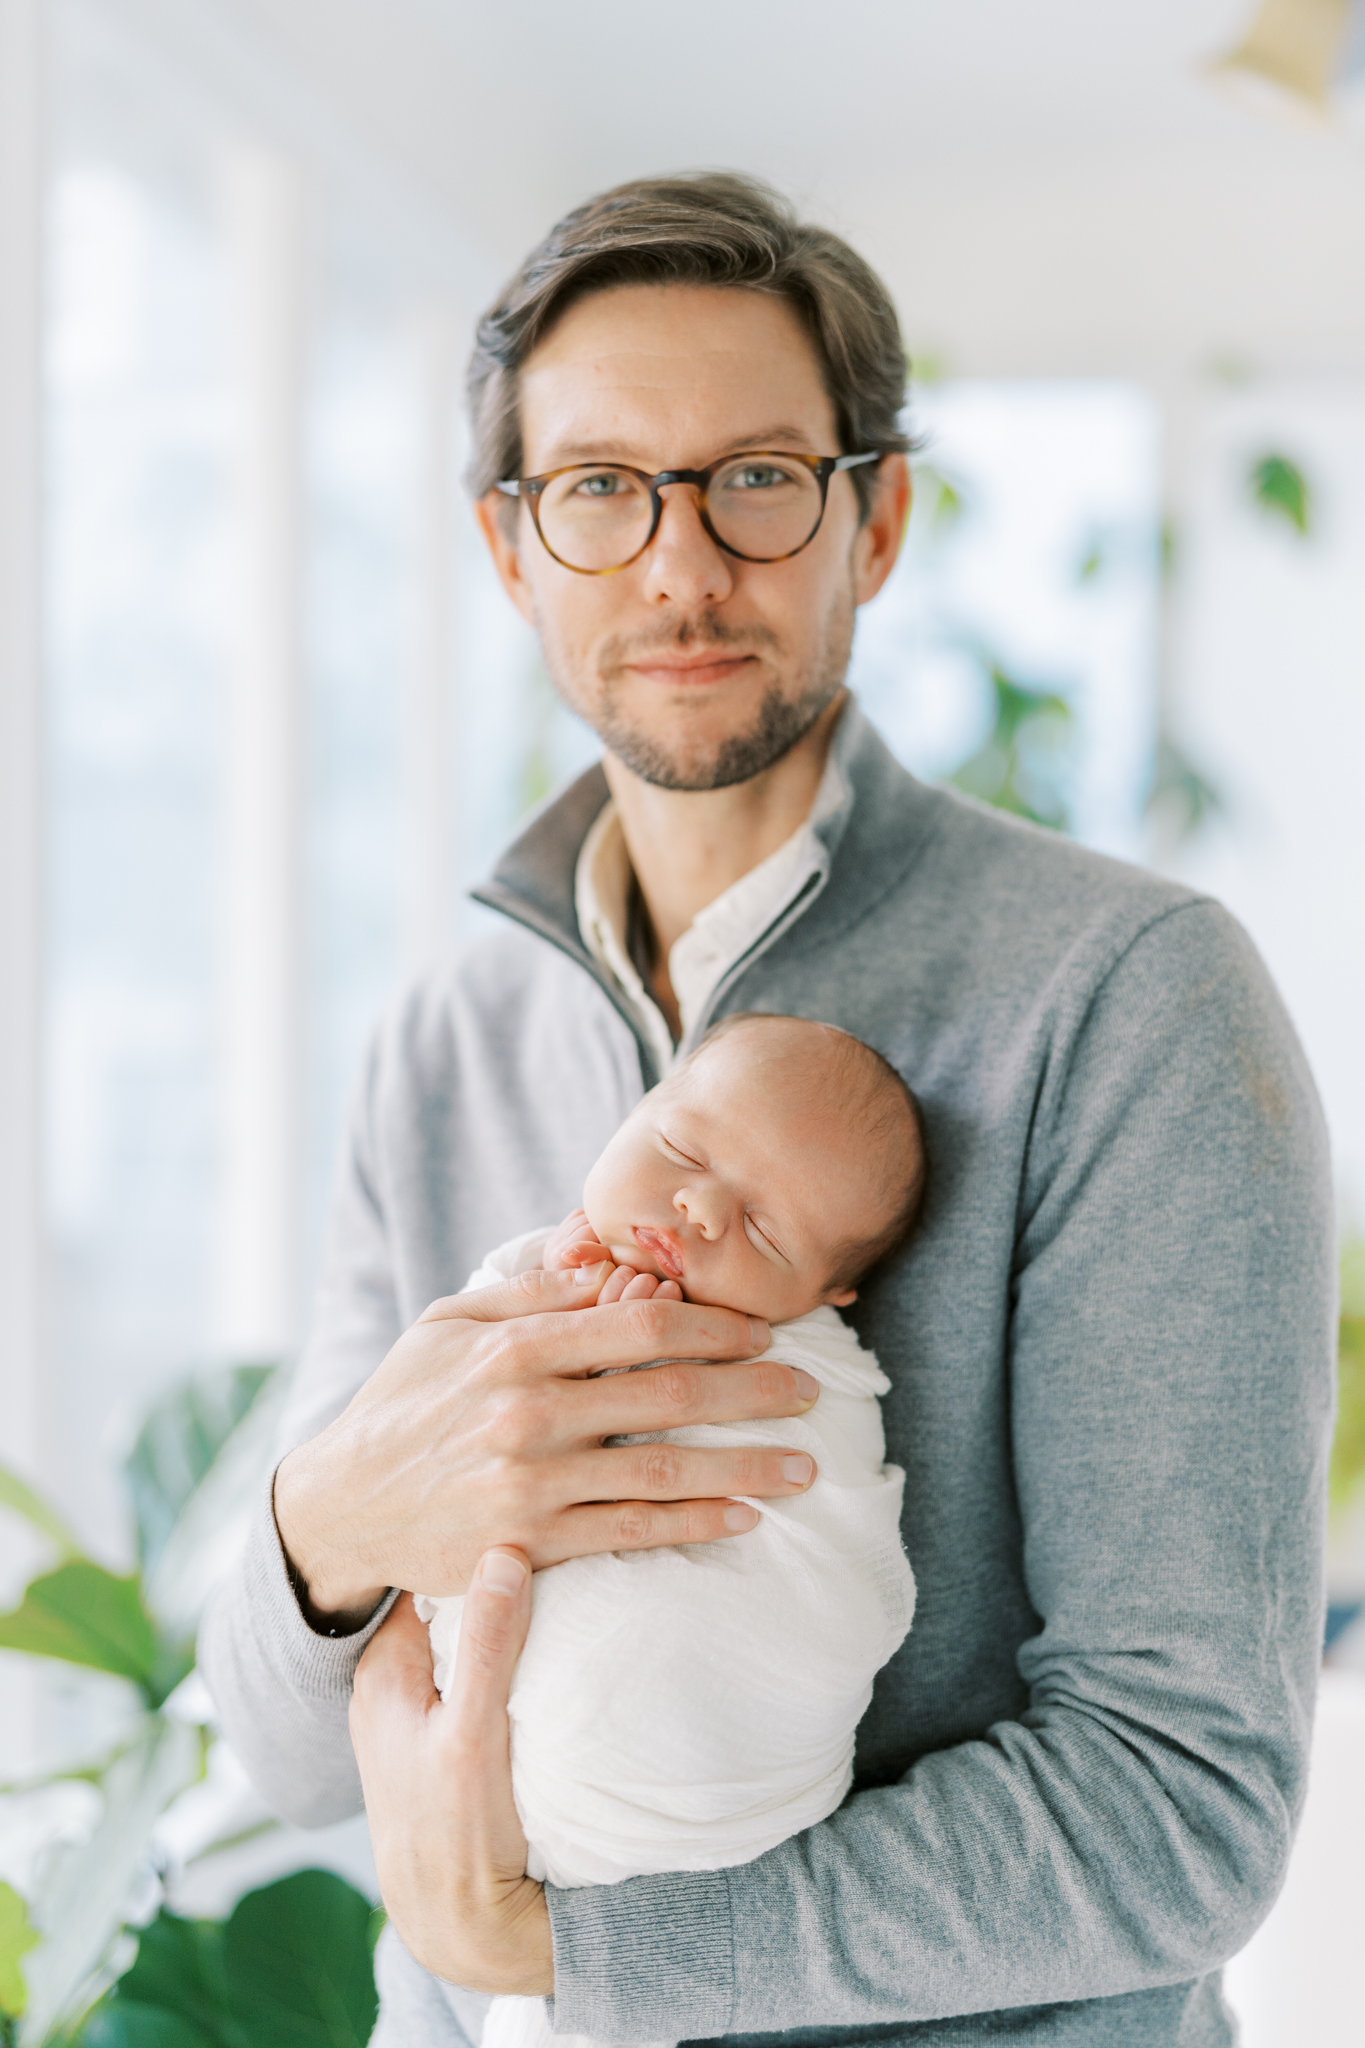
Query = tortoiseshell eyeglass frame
x=821 y=467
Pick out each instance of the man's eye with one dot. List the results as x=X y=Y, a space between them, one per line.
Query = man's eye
x=756 y=476
x=601 y=485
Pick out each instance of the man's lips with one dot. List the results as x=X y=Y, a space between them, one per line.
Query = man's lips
x=662 y=1246
x=680 y=672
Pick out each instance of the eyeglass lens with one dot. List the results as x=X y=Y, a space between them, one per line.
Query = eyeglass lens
x=599 y=517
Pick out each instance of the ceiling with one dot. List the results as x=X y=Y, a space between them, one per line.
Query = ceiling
x=1048 y=188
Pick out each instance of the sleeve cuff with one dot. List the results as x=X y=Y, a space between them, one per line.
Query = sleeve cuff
x=651 y=1959
x=318 y=1666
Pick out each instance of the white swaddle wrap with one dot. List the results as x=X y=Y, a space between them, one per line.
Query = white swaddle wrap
x=688 y=1709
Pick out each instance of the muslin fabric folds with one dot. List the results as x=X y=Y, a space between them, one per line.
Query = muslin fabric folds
x=688 y=1709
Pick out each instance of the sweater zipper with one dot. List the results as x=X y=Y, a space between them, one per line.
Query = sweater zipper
x=544 y=929
x=783 y=922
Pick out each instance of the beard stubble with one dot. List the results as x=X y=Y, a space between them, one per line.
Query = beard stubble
x=780 y=718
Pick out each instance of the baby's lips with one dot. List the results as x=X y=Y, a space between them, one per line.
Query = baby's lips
x=661 y=1247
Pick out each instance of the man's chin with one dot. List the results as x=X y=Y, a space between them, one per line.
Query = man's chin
x=689 y=759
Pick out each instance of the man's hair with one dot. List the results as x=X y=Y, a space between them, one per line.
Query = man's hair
x=710 y=228
x=885 y=1107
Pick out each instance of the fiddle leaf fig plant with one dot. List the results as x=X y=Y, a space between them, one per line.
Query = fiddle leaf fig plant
x=193 y=1473
x=291 y=1965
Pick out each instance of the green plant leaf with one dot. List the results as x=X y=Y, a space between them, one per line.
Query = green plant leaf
x=212 y=1524
x=17 y=1937
x=179 y=1971
x=121 y=2023
x=177 y=1444
x=1021 y=765
x=83 y=1899
x=941 y=499
x=1347 y=1469
x=18 y=1496
x=1280 y=487
x=1180 y=797
x=82 y=1614
x=297 y=1956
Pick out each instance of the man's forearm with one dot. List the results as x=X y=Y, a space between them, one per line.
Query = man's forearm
x=1046 y=1866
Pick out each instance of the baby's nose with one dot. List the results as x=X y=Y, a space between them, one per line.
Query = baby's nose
x=701 y=1211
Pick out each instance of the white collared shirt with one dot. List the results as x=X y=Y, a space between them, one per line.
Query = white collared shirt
x=701 y=956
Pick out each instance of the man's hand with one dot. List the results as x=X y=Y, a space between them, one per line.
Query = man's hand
x=448 y=1846
x=486 y=1425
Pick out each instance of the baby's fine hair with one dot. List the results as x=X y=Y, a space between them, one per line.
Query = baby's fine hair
x=882 y=1101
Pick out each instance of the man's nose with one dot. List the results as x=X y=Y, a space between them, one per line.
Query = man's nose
x=683 y=565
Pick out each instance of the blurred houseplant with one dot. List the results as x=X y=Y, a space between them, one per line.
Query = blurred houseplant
x=1346 y=1477
x=193 y=1474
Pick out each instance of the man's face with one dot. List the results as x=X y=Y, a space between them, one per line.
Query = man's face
x=696 y=669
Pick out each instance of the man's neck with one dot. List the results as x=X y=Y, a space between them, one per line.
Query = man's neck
x=688 y=846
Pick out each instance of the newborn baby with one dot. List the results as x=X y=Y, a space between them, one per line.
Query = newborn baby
x=689 y=1708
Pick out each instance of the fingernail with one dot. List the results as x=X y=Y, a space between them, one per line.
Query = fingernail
x=504 y=1574
x=591 y=1276
x=740 y=1516
x=796 y=1470
x=807 y=1386
x=760 y=1336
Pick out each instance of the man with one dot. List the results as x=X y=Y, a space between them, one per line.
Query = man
x=1110 y=1345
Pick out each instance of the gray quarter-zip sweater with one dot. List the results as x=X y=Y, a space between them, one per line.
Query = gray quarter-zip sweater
x=1111 y=1361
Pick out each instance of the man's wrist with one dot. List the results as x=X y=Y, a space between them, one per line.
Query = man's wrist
x=332 y=1602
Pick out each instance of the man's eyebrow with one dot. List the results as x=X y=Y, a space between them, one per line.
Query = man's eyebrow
x=774 y=437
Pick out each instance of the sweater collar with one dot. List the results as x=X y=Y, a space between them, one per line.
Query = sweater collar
x=871 y=825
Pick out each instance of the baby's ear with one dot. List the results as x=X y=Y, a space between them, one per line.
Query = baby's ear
x=842 y=1299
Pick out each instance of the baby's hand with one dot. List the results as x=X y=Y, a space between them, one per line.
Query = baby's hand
x=576 y=1243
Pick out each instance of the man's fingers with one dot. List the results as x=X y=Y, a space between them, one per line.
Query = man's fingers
x=529 y=1294
x=648 y=1525
x=497 y=1614
x=670 y=1396
x=675 y=1472
x=624 y=1333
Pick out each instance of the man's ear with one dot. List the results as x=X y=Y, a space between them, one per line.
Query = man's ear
x=500 y=521
x=842 y=1299
x=878 y=540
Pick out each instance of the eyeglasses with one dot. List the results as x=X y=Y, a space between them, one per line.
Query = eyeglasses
x=761 y=506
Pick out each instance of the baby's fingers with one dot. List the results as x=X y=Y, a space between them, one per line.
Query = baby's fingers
x=625 y=1284
x=639 y=1286
x=618 y=1280
x=585 y=1251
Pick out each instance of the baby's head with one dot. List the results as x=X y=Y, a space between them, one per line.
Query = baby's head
x=773 y=1167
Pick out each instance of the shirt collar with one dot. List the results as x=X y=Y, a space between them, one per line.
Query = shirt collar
x=719 y=934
